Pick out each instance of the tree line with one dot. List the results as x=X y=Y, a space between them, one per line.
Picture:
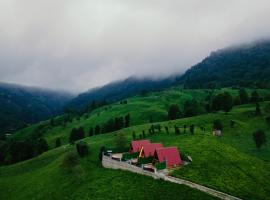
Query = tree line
x=223 y=101
x=113 y=124
x=15 y=151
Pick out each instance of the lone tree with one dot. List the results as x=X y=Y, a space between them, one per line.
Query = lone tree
x=174 y=112
x=259 y=138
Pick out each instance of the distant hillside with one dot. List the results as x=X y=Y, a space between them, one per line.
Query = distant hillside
x=247 y=65
x=119 y=90
x=22 y=105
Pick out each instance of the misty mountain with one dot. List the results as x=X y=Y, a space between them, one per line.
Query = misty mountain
x=120 y=90
x=243 y=66
x=21 y=105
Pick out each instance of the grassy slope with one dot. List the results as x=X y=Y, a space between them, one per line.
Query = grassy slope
x=44 y=177
x=230 y=163
x=153 y=105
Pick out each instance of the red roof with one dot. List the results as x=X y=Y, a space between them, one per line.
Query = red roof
x=170 y=154
x=149 y=149
x=137 y=144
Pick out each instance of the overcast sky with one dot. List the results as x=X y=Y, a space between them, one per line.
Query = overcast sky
x=77 y=45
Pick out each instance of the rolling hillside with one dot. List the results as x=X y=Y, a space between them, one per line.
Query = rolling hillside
x=22 y=105
x=231 y=163
x=142 y=109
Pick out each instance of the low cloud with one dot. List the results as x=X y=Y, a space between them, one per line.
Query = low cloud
x=77 y=45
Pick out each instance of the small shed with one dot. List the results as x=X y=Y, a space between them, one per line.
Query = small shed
x=149 y=150
x=136 y=145
x=170 y=155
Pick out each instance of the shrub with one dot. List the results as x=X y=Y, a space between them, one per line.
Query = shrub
x=259 y=138
x=57 y=142
x=70 y=160
x=258 y=109
x=268 y=120
x=82 y=148
x=120 y=140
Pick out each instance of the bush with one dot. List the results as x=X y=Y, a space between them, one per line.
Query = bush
x=120 y=140
x=70 y=160
x=268 y=120
x=82 y=148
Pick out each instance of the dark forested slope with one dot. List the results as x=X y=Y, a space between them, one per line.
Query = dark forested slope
x=244 y=66
x=21 y=105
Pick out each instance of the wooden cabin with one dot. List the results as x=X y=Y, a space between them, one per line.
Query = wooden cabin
x=149 y=150
x=170 y=155
x=136 y=145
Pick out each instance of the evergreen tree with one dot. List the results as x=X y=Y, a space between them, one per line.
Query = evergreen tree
x=167 y=129
x=258 y=109
x=127 y=120
x=82 y=148
x=217 y=125
x=91 y=131
x=192 y=128
x=259 y=138
x=133 y=135
x=97 y=130
x=223 y=101
x=255 y=97
x=244 y=98
x=185 y=128
x=143 y=134
x=174 y=112
x=177 y=130
x=58 y=142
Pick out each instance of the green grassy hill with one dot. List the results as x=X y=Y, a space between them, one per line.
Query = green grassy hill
x=141 y=108
x=230 y=163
